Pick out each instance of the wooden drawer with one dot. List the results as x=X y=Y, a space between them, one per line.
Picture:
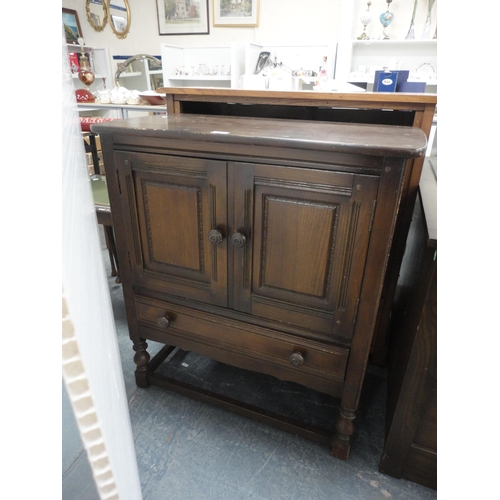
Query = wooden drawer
x=316 y=365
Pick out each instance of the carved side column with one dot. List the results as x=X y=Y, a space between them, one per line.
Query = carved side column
x=345 y=429
x=141 y=359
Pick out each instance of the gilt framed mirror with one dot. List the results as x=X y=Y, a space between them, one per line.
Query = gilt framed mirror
x=119 y=17
x=97 y=13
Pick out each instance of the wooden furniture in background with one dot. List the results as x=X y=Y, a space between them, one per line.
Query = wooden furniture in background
x=416 y=110
x=411 y=436
x=259 y=243
x=103 y=213
x=90 y=145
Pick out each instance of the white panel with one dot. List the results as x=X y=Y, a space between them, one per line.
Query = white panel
x=89 y=307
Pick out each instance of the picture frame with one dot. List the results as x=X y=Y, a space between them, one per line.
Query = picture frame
x=174 y=19
x=236 y=13
x=156 y=82
x=71 y=23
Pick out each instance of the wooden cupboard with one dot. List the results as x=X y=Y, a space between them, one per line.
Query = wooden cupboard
x=415 y=110
x=260 y=243
x=410 y=449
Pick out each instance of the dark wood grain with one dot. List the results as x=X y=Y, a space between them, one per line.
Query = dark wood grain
x=377 y=141
x=306 y=215
x=411 y=437
x=367 y=100
x=416 y=110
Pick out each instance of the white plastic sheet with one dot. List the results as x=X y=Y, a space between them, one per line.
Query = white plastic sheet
x=91 y=361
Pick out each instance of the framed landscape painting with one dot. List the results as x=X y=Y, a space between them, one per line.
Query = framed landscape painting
x=236 y=13
x=71 y=23
x=182 y=18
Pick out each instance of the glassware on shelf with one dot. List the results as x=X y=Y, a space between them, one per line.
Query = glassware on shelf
x=427 y=26
x=366 y=19
x=411 y=30
x=386 y=18
x=85 y=75
x=323 y=83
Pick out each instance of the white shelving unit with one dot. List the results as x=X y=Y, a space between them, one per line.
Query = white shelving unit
x=140 y=76
x=201 y=66
x=100 y=64
x=357 y=60
x=291 y=57
x=417 y=56
x=194 y=66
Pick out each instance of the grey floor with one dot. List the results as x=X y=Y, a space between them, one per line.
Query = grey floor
x=187 y=449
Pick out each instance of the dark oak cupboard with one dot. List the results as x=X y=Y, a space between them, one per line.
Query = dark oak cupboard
x=383 y=108
x=260 y=243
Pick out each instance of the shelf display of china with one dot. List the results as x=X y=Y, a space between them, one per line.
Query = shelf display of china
x=386 y=19
x=366 y=19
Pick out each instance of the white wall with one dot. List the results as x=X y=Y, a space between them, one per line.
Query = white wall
x=297 y=24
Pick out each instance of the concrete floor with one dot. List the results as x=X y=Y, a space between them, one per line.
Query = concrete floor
x=187 y=449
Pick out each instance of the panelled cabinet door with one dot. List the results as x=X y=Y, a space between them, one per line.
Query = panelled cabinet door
x=301 y=242
x=176 y=210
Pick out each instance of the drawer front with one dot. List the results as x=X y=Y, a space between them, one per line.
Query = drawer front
x=321 y=367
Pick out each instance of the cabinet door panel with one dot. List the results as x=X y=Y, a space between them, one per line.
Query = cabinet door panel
x=305 y=243
x=181 y=248
x=310 y=234
x=176 y=202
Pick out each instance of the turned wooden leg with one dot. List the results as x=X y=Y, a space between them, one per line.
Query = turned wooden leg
x=345 y=429
x=141 y=359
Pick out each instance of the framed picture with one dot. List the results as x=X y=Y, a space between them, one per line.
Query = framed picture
x=156 y=81
x=236 y=13
x=71 y=23
x=182 y=18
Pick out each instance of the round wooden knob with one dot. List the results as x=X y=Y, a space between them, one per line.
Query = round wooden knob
x=238 y=240
x=296 y=359
x=215 y=236
x=163 y=321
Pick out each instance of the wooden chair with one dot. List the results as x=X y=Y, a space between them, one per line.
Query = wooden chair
x=103 y=212
x=100 y=190
x=90 y=139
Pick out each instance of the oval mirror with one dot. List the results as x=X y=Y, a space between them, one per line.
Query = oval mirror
x=119 y=17
x=97 y=14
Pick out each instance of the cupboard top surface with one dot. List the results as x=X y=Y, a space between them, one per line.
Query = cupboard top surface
x=376 y=140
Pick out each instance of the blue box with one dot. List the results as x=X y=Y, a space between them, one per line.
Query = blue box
x=385 y=81
x=418 y=87
x=403 y=75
